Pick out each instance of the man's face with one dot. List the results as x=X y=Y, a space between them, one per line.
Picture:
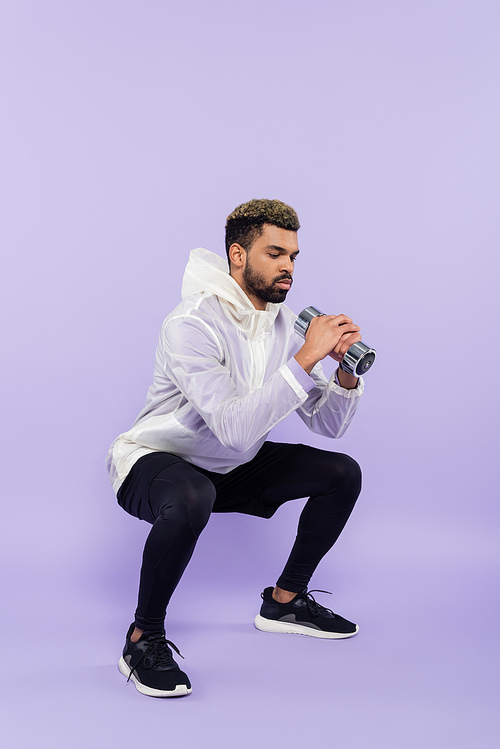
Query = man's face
x=268 y=270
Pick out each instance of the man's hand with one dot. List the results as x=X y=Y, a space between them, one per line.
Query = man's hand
x=328 y=335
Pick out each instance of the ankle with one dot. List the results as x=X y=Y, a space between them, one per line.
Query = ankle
x=283 y=596
x=136 y=634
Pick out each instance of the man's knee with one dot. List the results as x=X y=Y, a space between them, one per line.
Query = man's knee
x=349 y=471
x=199 y=500
x=343 y=474
x=184 y=498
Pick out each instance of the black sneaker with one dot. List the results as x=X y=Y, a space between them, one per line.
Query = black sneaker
x=302 y=616
x=150 y=665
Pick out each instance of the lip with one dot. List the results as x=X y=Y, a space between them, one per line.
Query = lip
x=284 y=284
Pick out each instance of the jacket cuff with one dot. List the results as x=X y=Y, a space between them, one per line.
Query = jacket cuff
x=335 y=385
x=297 y=378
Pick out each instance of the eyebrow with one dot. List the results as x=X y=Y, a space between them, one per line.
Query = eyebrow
x=277 y=248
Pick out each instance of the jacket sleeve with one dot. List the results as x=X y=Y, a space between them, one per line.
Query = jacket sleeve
x=329 y=408
x=194 y=360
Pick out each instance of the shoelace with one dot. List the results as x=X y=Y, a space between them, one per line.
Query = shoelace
x=315 y=608
x=157 y=653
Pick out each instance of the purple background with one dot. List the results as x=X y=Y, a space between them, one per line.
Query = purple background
x=129 y=131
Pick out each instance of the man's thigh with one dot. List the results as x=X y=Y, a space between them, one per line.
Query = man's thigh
x=279 y=473
x=159 y=478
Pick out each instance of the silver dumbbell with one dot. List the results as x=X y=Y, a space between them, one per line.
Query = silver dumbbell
x=358 y=358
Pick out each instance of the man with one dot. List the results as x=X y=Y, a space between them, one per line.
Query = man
x=229 y=367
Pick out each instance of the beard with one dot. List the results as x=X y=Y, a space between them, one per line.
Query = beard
x=266 y=292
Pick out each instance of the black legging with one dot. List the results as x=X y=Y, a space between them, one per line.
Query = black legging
x=178 y=498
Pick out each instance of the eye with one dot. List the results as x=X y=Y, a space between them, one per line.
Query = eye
x=274 y=255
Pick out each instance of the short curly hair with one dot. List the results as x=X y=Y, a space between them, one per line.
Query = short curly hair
x=246 y=222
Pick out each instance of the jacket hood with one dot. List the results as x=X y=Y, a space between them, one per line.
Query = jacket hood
x=207 y=273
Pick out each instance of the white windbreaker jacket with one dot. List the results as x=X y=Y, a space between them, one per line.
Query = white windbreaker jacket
x=224 y=377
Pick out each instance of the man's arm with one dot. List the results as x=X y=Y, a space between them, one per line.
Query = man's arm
x=346 y=380
x=194 y=362
x=330 y=407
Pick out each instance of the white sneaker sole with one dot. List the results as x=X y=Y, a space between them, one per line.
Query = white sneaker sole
x=269 y=625
x=180 y=690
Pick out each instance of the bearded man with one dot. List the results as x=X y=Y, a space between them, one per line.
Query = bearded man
x=229 y=367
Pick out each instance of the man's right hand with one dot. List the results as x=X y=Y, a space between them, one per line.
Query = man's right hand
x=327 y=335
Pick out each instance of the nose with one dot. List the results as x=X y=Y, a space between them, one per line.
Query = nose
x=287 y=265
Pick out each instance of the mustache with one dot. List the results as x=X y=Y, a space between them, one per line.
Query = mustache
x=286 y=277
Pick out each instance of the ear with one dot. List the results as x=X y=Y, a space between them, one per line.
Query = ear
x=237 y=255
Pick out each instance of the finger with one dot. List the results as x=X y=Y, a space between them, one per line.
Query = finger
x=348 y=341
x=335 y=319
x=348 y=328
x=345 y=342
x=340 y=319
